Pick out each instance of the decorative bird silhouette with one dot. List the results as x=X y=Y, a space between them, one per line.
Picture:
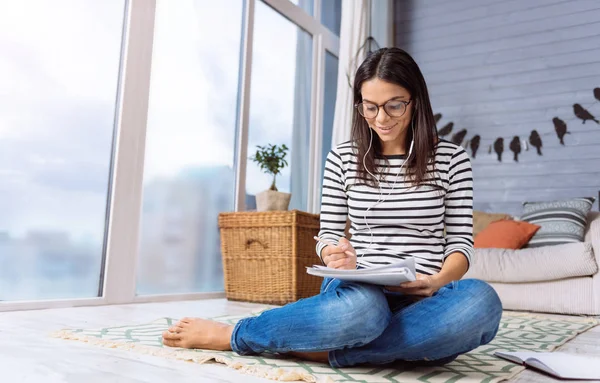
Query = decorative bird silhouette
x=536 y=141
x=597 y=93
x=437 y=117
x=446 y=130
x=459 y=136
x=561 y=129
x=475 y=144
x=515 y=147
x=499 y=147
x=583 y=114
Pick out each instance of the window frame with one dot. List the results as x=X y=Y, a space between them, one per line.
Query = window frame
x=126 y=181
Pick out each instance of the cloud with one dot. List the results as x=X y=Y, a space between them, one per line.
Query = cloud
x=57 y=107
x=57 y=101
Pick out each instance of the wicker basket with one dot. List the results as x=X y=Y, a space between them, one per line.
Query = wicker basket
x=265 y=255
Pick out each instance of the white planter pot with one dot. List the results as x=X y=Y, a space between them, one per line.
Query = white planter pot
x=270 y=200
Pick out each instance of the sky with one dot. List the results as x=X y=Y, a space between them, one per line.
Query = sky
x=192 y=112
x=58 y=73
x=58 y=84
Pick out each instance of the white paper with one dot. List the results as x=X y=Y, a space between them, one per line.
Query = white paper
x=387 y=275
x=563 y=365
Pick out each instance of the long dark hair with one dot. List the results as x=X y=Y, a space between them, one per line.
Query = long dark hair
x=396 y=66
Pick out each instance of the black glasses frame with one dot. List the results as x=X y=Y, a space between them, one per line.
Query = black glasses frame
x=359 y=105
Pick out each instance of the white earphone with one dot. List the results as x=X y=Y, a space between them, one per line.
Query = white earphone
x=380 y=200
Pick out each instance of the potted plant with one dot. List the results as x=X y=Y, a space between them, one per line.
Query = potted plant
x=271 y=159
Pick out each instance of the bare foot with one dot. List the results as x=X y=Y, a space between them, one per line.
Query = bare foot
x=199 y=333
x=319 y=356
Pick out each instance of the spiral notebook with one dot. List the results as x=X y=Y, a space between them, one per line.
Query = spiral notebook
x=387 y=275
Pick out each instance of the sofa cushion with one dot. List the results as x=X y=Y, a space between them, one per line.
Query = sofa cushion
x=560 y=221
x=506 y=234
x=533 y=265
x=482 y=219
x=592 y=231
x=573 y=296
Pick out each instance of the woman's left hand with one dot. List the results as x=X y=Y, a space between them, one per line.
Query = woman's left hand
x=425 y=285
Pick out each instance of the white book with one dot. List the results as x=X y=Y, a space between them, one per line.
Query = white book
x=557 y=364
x=387 y=275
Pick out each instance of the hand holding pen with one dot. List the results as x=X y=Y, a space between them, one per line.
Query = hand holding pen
x=340 y=256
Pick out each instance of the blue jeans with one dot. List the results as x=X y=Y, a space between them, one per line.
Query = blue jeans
x=363 y=324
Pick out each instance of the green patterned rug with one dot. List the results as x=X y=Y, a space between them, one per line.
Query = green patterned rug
x=518 y=331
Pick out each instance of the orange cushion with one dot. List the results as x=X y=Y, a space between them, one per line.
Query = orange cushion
x=482 y=219
x=506 y=234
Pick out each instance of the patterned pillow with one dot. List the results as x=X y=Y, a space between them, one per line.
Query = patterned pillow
x=560 y=221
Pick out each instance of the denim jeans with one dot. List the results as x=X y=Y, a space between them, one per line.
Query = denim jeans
x=364 y=324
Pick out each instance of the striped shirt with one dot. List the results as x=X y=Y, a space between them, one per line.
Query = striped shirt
x=428 y=222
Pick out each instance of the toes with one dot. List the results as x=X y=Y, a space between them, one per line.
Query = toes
x=171 y=343
x=186 y=320
x=175 y=328
x=167 y=335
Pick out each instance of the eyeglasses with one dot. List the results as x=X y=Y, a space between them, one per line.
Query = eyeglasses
x=393 y=108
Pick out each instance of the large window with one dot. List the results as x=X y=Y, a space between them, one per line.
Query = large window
x=280 y=102
x=331 y=15
x=58 y=84
x=190 y=140
x=126 y=127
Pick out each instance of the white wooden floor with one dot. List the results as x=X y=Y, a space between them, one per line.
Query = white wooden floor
x=28 y=354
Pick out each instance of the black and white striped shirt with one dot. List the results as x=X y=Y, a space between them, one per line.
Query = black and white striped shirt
x=410 y=221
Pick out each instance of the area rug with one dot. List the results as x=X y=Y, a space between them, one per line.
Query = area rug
x=518 y=331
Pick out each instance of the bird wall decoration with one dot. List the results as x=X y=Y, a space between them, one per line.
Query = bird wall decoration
x=561 y=129
x=499 y=147
x=516 y=144
x=536 y=141
x=459 y=136
x=475 y=144
x=446 y=130
x=583 y=114
x=515 y=147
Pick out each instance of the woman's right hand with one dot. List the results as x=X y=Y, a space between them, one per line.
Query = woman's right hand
x=342 y=256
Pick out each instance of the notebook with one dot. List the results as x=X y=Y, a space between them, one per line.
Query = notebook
x=387 y=275
x=557 y=364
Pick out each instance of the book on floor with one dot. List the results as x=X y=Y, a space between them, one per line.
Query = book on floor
x=386 y=275
x=557 y=364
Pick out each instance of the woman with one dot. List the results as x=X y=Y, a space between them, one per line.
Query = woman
x=406 y=194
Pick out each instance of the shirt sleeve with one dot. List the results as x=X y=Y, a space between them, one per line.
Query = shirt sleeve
x=334 y=202
x=458 y=218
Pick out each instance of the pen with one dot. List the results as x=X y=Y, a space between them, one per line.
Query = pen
x=325 y=242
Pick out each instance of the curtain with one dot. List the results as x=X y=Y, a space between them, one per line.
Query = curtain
x=353 y=34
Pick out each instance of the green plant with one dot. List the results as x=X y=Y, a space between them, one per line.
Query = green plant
x=271 y=159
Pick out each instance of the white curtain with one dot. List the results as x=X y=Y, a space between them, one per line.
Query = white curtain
x=353 y=34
